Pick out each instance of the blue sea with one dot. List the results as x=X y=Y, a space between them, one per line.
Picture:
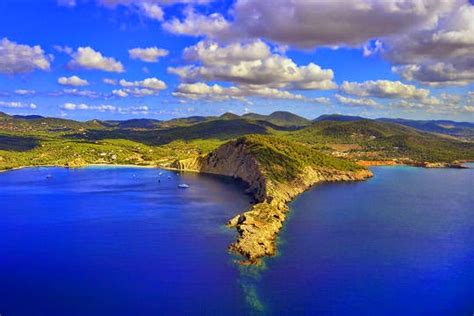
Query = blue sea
x=127 y=241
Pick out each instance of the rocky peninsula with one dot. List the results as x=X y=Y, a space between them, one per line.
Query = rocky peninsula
x=259 y=162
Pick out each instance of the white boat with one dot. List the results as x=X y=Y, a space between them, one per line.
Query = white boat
x=183 y=186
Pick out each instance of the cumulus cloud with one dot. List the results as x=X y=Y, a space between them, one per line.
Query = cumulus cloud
x=470 y=96
x=250 y=64
x=148 y=83
x=314 y=23
x=440 y=55
x=17 y=58
x=437 y=74
x=146 y=87
x=72 y=81
x=365 y=102
x=149 y=55
x=109 y=81
x=440 y=107
x=105 y=108
x=18 y=105
x=88 y=58
x=384 y=89
x=428 y=41
x=217 y=92
x=194 y=24
x=136 y=92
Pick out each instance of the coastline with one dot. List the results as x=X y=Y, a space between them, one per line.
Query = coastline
x=428 y=165
x=85 y=166
x=258 y=226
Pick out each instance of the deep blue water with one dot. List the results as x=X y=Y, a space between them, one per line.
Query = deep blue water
x=401 y=243
x=115 y=241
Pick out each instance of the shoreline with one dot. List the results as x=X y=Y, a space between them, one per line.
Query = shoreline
x=259 y=225
x=426 y=165
x=85 y=166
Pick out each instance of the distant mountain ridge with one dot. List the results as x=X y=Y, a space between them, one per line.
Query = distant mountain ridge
x=447 y=127
x=276 y=120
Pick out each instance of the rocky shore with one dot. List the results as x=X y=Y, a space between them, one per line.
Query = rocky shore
x=258 y=227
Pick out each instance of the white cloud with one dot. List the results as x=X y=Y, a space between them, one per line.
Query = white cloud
x=149 y=55
x=384 y=89
x=151 y=9
x=146 y=87
x=24 y=92
x=17 y=58
x=18 y=105
x=470 y=96
x=78 y=93
x=72 y=81
x=109 y=81
x=251 y=64
x=429 y=41
x=372 y=48
x=469 y=108
x=137 y=92
x=88 y=58
x=440 y=55
x=82 y=106
x=217 y=92
x=450 y=98
x=194 y=24
x=120 y=93
x=314 y=23
x=136 y=110
x=148 y=83
x=439 y=107
x=437 y=74
x=356 y=101
x=63 y=49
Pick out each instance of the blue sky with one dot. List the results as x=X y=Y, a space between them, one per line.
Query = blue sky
x=204 y=57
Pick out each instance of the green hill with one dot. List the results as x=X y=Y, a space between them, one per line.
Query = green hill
x=381 y=140
x=283 y=159
x=41 y=140
x=280 y=118
x=457 y=129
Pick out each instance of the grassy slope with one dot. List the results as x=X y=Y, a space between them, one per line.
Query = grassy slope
x=283 y=159
x=47 y=141
x=379 y=140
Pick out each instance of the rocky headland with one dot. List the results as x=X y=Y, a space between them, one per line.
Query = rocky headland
x=248 y=160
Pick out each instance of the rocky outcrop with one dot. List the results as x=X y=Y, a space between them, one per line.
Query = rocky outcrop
x=231 y=159
x=453 y=165
x=259 y=226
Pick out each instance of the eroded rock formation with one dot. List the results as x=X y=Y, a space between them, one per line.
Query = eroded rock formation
x=258 y=227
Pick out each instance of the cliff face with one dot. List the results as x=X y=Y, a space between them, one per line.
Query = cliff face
x=231 y=159
x=259 y=226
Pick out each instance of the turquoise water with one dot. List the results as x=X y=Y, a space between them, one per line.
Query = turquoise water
x=103 y=241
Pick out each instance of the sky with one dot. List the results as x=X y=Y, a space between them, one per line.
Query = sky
x=122 y=59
